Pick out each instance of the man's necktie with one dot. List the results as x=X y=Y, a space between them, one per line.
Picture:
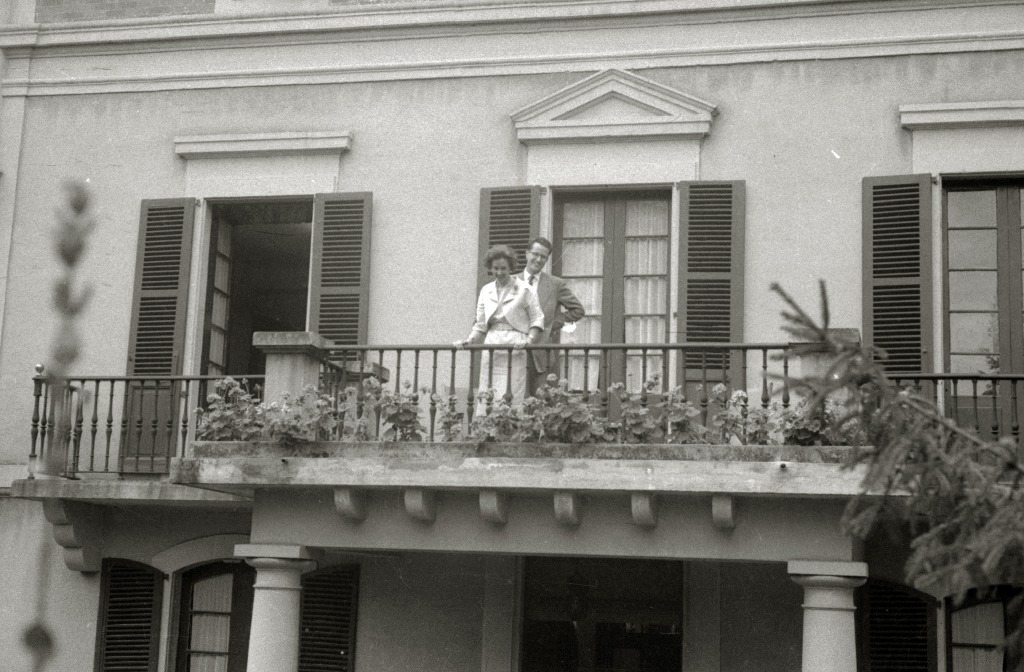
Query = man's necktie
x=533 y=280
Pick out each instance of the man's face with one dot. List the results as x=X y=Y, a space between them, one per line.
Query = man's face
x=536 y=257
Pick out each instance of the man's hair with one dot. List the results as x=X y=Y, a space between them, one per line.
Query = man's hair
x=541 y=240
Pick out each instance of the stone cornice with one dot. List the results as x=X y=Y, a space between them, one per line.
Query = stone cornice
x=219 y=51
x=962 y=115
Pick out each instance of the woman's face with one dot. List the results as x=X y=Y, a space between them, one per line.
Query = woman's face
x=500 y=270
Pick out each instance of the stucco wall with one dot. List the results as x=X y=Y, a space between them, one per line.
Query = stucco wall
x=801 y=134
x=34 y=581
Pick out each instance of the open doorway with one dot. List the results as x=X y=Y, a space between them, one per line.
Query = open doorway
x=258 y=279
x=602 y=615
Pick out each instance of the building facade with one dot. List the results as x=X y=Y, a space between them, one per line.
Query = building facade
x=335 y=169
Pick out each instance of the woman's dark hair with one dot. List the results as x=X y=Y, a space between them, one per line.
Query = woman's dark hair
x=500 y=252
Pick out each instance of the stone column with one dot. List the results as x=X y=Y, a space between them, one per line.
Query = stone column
x=830 y=642
x=274 y=632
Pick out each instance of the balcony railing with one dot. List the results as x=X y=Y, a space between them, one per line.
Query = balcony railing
x=133 y=426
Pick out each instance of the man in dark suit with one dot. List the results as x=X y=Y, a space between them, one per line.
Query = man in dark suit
x=559 y=304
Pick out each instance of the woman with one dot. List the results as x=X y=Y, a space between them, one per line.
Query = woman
x=507 y=314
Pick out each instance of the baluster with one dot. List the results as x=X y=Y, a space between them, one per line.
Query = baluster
x=785 y=378
x=95 y=423
x=154 y=424
x=416 y=376
x=605 y=365
x=44 y=426
x=122 y=447
x=586 y=373
x=433 y=393
x=451 y=384
x=1015 y=426
x=398 y=370
x=765 y=396
x=955 y=401
x=995 y=410
x=138 y=424
x=469 y=394
x=360 y=388
x=508 y=377
x=977 y=415
x=704 y=388
x=745 y=406
x=76 y=434
x=37 y=393
x=625 y=367
x=490 y=375
x=171 y=398
x=185 y=396
x=643 y=377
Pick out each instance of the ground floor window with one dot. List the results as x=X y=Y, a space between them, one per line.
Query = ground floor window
x=215 y=615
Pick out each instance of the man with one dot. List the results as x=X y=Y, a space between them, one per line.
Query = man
x=559 y=304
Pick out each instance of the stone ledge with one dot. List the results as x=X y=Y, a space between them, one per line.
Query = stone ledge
x=121 y=491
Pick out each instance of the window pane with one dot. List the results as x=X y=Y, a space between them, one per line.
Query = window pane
x=646 y=256
x=645 y=330
x=973 y=364
x=972 y=290
x=646 y=296
x=582 y=257
x=210 y=632
x=637 y=374
x=974 y=248
x=222 y=269
x=980 y=624
x=973 y=332
x=647 y=217
x=588 y=330
x=207 y=663
x=212 y=594
x=219 y=316
x=588 y=291
x=583 y=219
x=971 y=208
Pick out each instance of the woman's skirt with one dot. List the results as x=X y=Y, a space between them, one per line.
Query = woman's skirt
x=496 y=377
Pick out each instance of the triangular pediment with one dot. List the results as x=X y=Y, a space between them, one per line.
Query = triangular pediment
x=613 y=105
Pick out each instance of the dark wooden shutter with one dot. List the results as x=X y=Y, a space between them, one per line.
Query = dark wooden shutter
x=508 y=216
x=161 y=287
x=898 y=628
x=712 y=221
x=339 y=288
x=897 y=278
x=128 y=630
x=327 y=621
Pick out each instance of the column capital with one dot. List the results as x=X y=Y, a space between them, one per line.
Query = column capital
x=279 y=551
x=827 y=568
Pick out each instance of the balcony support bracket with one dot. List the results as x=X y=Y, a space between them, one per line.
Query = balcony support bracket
x=494 y=506
x=78 y=529
x=351 y=503
x=645 y=509
x=723 y=513
x=421 y=504
x=567 y=508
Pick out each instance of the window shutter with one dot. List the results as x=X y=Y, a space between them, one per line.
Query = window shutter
x=128 y=631
x=161 y=287
x=897 y=276
x=900 y=629
x=327 y=629
x=508 y=216
x=711 y=232
x=339 y=287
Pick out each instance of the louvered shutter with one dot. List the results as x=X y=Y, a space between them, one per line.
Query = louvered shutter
x=340 y=267
x=327 y=621
x=712 y=220
x=128 y=629
x=900 y=629
x=508 y=216
x=897 y=282
x=161 y=287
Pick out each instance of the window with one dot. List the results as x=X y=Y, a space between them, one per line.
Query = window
x=214 y=617
x=283 y=264
x=616 y=249
x=977 y=629
x=613 y=249
x=896 y=628
x=128 y=627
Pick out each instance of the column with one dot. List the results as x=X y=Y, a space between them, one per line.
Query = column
x=830 y=643
x=274 y=632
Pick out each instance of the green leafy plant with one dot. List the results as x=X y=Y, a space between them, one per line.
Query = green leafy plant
x=399 y=411
x=638 y=422
x=564 y=416
x=232 y=413
x=449 y=419
x=308 y=416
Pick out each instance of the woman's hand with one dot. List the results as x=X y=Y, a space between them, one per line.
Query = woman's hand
x=459 y=345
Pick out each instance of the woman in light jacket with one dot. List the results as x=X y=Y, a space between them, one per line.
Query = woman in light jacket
x=507 y=314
